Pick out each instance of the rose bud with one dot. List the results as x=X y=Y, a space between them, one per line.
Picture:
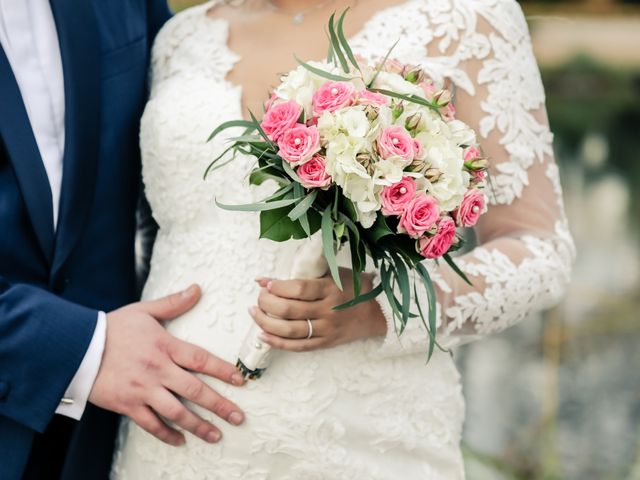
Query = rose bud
x=413 y=74
x=433 y=174
x=442 y=98
x=413 y=121
x=419 y=166
x=397 y=109
x=367 y=160
x=371 y=112
x=477 y=164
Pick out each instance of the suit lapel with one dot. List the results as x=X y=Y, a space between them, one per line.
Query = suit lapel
x=80 y=50
x=24 y=155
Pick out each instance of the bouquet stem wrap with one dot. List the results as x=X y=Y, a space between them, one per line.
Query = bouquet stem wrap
x=255 y=355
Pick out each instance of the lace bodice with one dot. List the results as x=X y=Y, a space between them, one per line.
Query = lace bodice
x=335 y=413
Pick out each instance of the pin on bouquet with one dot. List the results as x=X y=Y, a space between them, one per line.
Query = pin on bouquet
x=369 y=155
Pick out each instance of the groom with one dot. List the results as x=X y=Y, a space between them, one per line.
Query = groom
x=72 y=88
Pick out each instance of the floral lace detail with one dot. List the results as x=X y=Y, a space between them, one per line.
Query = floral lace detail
x=332 y=414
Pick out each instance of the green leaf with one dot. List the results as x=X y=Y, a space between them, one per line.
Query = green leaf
x=328 y=244
x=304 y=205
x=456 y=269
x=212 y=165
x=258 y=207
x=330 y=52
x=409 y=98
x=344 y=42
x=259 y=128
x=381 y=66
x=322 y=73
x=431 y=297
x=290 y=171
x=256 y=140
x=336 y=202
x=268 y=172
x=404 y=285
x=386 y=280
x=275 y=225
x=365 y=297
x=379 y=229
x=357 y=265
x=280 y=193
x=338 y=229
x=336 y=45
x=230 y=124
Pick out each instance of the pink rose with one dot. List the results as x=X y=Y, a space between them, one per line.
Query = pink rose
x=471 y=208
x=396 y=197
x=471 y=153
x=396 y=142
x=365 y=97
x=279 y=118
x=298 y=144
x=439 y=244
x=313 y=174
x=419 y=215
x=332 y=96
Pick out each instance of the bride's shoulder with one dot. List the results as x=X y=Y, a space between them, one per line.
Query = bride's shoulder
x=190 y=34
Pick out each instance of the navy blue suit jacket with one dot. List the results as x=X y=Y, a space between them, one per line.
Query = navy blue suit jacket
x=52 y=284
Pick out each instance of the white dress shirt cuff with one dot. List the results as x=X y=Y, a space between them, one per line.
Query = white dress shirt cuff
x=75 y=398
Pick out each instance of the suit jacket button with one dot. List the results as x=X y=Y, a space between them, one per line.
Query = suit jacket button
x=4 y=391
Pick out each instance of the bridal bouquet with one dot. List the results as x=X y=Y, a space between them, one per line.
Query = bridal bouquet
x=366 y=154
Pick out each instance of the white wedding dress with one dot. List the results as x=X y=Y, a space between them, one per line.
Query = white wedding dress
x=371 y=409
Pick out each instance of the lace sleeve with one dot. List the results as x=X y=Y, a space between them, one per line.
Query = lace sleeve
x=524 y=255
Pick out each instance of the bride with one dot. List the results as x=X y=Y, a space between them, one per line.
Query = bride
x=354 y=401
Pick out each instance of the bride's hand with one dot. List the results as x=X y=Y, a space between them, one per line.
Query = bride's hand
x=285 y=305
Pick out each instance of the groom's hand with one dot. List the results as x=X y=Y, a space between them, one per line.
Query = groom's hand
x=144 y=368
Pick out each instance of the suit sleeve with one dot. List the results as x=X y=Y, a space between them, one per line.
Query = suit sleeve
x=43 y=340
x=158 y=13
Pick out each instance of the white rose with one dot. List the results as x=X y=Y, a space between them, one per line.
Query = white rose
x=353 y=121
x=396 y=84
x=461 y=133
x=388 y=172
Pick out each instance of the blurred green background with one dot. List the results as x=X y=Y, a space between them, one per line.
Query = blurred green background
x=558 y=396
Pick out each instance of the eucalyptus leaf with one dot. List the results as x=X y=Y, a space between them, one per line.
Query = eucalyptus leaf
x=211 y=166
x=261 y=175
x=230 y=124
x=304 y=205
x=328 y=245
x=291 y=172
x=456 y=269
x=344 y=42
x=365 y=297
x=431 y=296
x=404 y=285
x=336 y=44
x=322 y=73
x=259 y=128
x=408 y=98
x=381 y=66
x=258 y=207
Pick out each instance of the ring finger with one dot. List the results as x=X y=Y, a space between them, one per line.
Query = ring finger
x=294 y=329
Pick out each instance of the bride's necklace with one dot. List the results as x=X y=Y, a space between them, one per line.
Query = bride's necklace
x=299 y=16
